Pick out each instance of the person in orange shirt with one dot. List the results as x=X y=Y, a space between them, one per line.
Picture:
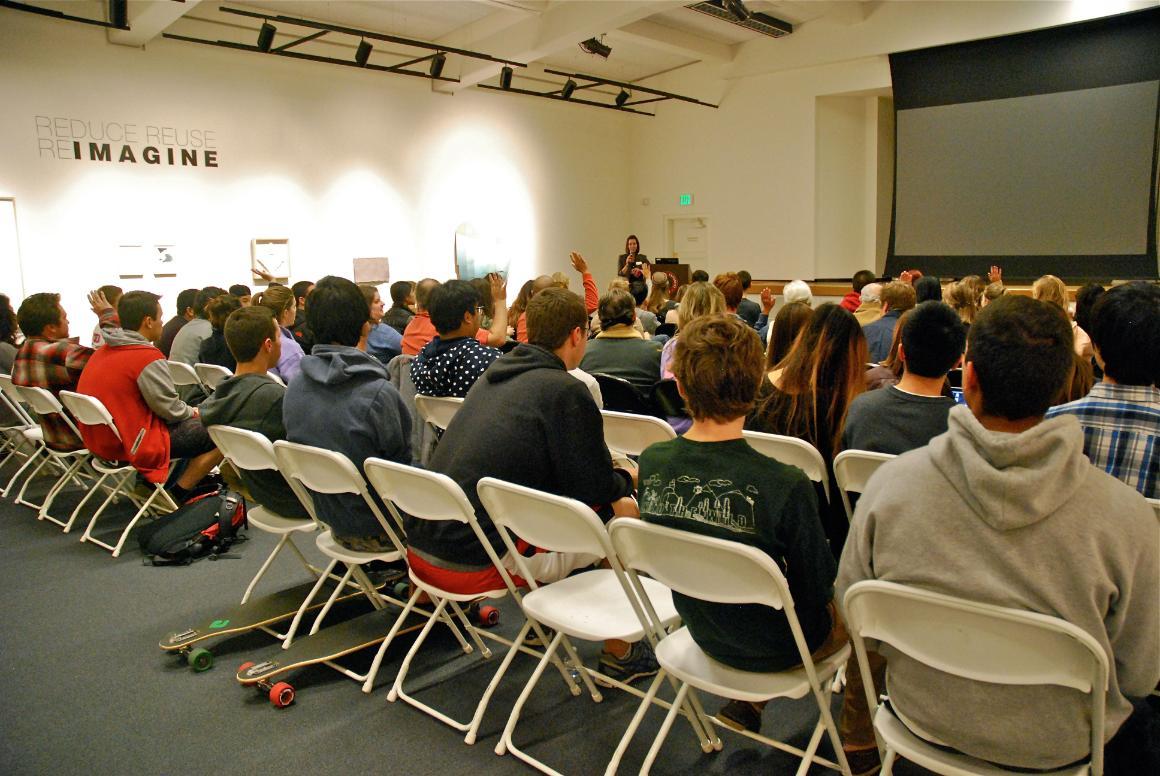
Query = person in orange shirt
x=420 y=330
x=591 y=295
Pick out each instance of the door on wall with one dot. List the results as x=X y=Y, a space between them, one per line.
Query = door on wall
x=10 y=268
x=688 y=240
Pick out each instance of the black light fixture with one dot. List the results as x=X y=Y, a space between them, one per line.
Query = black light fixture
x=737 y=8
x=569 y=87
x=266 y=36
x=597 y=47
x=363 y=55
x=622 y=98
x=505 y=77
x=437 y=63
x=119 y=13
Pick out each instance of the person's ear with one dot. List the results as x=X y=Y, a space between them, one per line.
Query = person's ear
x=680 y=388
x=901 y=353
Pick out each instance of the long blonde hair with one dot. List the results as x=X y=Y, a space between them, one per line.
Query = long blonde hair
x=279 y=299
x=700 y=299
x=1050 y=289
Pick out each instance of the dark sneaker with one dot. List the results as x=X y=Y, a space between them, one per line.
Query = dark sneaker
x=740 y=715
x=637 y=664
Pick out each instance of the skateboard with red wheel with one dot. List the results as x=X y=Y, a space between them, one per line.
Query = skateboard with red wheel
x=328 y=644
x=481 y=614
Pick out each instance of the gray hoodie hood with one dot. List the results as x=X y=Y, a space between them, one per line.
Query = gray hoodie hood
x=1011 y=480
x=117 y=337
x=336 y=364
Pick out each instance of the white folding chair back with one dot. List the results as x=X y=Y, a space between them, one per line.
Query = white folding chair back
x=727 y=572
x=91 y=411
x=211 y=374
x=794 y=452
x=251 y=451
x=437 y=410
x=276 y=379
x=976 y=641
x=15 y=400
x=183 y=374
x=19 y=432
x=631 y=434
x=69 y=464
x=852 y=470
x=43 y=402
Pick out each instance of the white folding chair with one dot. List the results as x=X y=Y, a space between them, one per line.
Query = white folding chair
x=595 y=605
x=23 y=437
x=427 y=495
x=183 y=374
x=852 y=470
x=982 y=642
x=727 y=572
x=276 y=378
x=631 y=434
x=70 y=463
x=794 y=452
x=251 y=451
x=90 y=411
x=1155 y=503
x=314 y=470
x=211 y=374
x=437 y=410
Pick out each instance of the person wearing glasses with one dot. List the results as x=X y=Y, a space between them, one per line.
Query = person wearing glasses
x=451 y=362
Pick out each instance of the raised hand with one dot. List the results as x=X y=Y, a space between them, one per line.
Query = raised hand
x=578 y=263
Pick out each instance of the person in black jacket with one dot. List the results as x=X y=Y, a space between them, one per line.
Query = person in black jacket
x=213 y=349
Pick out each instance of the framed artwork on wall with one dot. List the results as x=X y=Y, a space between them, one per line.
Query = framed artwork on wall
x=272 y=256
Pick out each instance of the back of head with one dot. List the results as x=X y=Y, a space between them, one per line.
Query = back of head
x=659 y=296
x=134 y=307
x=560 y=280
x=220 y=307
x=1021 y=351
x=699 y=299
x=621 y=283
x=112 y=294
x=449 y=302
x=861 y=279
x=240 y=290
x=203 y=298
x=542 y=282
x=933 y=338
x=699 y=276
x=787 y=325
x=553 y=314
x=797 y=291
x=745 y=278
x=730 y=286
x=1126 y=332
x=248 y=328
x=1085 y=300
x=898 y=296
x=483 y=288
x=276 y=299
x=337 y=312
x=927 y=288
x=8 y=324
x=616 y=308
x=520 y=305
x=37 y=312
x=301 y=288
x=639 y=291
x=423 y=291
x=1050 y=289
x=186 y=300
x=993 y=291
x=717 y=362
x=871 y=292
x=961 y=298
x=400 y=290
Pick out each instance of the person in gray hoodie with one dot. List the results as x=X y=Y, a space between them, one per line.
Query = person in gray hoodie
x=343 y=401
x=1005 y=509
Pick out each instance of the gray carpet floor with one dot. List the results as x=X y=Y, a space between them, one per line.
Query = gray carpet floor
x=84 y=687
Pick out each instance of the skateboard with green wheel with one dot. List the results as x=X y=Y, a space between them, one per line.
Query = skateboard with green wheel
x=328 y=644
x=260 y=612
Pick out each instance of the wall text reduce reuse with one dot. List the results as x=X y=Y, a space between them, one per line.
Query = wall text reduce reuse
x=124 y=143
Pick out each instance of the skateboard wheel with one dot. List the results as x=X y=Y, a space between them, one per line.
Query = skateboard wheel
x=281 y=695
x=200 y=660
x=402 y=590
x=488 y=615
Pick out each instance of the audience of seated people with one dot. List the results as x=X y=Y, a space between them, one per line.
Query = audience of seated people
x=700 y=300
x=402 y=308
x=279 y=300
x=420 y=330
x=897 y=298
x=187 y=342
x=382 y=341
x=909 y=414
x=855 y=297
x=49 y=359
x=648 y=320
x=519 y=322
x=343 y=401
x=793 y=292
x=1120 y=418
x=747 y=309
x=185 y=302
x=710 y=481
x=1052 y=290
x=869 y=304
x=213 y=349
x=301 y=291
x=451 y=363
x=243 y=294
x=619 y=349
x=658 y=302
x=1005 y=509
x=250 y=400
x=889 y=370
x=787 y=325
x=130 y=377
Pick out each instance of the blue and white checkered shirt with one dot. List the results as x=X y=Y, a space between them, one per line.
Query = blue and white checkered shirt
x=1121 y=432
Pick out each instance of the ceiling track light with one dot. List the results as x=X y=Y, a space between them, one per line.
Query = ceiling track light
x=622 y=98
x=737 y=8
x=597 y=47
x=266 y=36
x=437 y=63
x=363 y=55
x=505 y=78
x=569 y=87
x=119 y=14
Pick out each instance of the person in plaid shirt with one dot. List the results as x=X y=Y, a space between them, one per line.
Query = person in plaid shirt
x=48 y=358
x=1121 y=415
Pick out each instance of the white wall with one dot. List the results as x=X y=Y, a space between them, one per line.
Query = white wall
x=344 y=163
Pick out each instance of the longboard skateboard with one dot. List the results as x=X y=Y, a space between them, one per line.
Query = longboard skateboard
x=328 y=644
x=257 y=613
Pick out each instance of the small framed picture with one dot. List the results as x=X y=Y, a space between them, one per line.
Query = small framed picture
x=270 y=256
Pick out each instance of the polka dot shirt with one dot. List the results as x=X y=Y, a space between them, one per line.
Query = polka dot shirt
x=451 y=368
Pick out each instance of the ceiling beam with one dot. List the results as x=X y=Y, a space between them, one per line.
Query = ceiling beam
x=148 y=20
x=562 y=25
x=671 y=41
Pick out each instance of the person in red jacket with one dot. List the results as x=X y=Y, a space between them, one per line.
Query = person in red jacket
x=130 y=377
x=861 y=279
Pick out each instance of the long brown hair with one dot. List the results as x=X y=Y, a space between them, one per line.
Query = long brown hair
x=520 y=306
x=659 y=296
x=820 y=377
x=278 y=299
x=787 y=325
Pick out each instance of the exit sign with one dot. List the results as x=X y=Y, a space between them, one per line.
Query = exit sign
x=685 y=200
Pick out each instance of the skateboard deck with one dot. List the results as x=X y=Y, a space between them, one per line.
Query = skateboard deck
x=260 y=612
x=329 y=643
